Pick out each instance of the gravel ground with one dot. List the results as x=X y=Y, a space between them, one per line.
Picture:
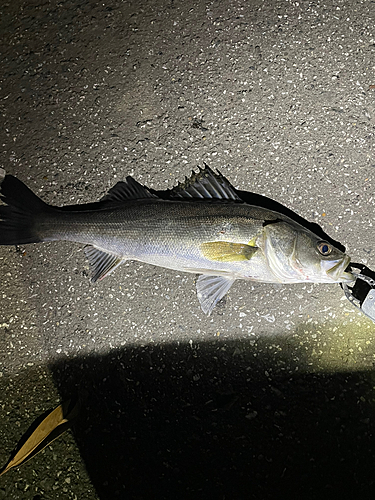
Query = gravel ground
x=274 y=392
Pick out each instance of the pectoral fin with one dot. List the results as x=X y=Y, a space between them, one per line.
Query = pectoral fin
x=211 y=289
x=223 y=251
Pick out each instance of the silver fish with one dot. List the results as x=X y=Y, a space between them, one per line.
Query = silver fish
x=203 y=227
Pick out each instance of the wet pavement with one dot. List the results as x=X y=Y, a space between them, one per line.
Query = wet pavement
x=274 y=393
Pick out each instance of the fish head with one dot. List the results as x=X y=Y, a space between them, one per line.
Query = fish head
x=295 y=254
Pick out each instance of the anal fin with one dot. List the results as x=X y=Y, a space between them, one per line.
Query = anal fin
x=101 y=263
x=211 y=289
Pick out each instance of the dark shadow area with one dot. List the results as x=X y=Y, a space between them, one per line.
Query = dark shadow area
x=221 y=420
x=270 y=204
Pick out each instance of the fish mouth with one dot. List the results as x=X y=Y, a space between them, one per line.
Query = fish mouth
x=337 y=272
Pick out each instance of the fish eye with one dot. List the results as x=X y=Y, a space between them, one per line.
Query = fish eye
x=324 y=248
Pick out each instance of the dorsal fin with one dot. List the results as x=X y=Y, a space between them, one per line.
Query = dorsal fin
x=126 y=190
x=206 y=184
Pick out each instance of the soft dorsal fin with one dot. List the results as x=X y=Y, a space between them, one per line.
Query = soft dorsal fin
x=206 y=184
x=128 y=190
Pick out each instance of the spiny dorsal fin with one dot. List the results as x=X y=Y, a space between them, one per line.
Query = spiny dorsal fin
x=126 y=190
x=206 y=184
x=101 y=263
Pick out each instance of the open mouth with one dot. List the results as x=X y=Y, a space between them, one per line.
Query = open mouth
x=337 y=271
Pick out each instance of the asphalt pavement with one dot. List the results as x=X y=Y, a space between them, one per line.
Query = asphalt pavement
x=273 y=394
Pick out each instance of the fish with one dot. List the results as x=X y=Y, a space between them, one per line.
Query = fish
x=201 y=226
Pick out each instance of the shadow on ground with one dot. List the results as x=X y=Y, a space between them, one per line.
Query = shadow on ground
x=215 y=420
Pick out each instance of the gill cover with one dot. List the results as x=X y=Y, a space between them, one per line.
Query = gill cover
x=295 y=254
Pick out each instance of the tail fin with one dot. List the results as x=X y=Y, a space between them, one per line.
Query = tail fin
x=18 y=217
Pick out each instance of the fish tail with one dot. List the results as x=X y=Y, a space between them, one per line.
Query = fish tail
x=20 y=215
